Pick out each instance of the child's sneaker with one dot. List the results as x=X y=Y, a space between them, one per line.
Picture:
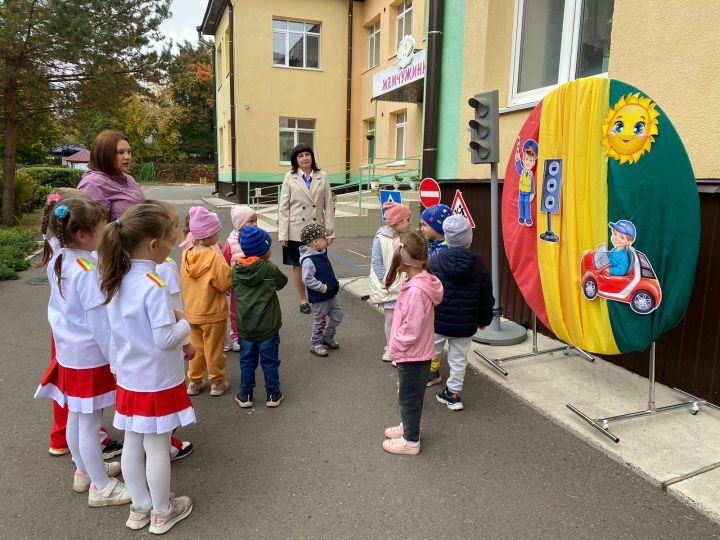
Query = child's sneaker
x=386 y=355
x=180 y=508
x=219 y=389
x=138 y=518
x=451 y=399
x=401 y=446
x=274 y=399
x=81 y=480
x=193 y=389
x=184 y=451
x=330 y=343
x=395 y=432
x=114 y=494
x=236 y=345
x=57 y=452
x=434 y=378
x=319 y=350
x=227 y=346
x=112 y=449
x=244 y=400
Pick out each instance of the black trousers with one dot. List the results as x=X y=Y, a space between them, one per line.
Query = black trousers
x=413 y=378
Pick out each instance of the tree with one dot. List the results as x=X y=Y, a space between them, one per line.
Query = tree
x=84 y=51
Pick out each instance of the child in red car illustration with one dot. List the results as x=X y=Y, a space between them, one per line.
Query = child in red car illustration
x=623 y=236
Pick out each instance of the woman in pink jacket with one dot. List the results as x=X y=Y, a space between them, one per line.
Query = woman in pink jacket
x=412 y=337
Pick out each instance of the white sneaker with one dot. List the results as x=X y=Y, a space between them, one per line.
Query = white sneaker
x=180 y=508
x=81 y=480
x=138 y=518
x=235 y=346
x=114 y=494
x=395 y=432
x=386 y=356
x=219 y=389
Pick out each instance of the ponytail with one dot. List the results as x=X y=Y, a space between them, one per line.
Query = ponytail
x=114 y=260
x=47 y=248
x=416 y=247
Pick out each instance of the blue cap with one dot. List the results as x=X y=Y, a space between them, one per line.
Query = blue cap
x=254 y=241
x=624 y=226
x=435 y=216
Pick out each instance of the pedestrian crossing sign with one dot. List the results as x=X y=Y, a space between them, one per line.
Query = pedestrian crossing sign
x=389 y=196
x=459 y=206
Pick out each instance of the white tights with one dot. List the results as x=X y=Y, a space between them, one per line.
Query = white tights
x=146 y=464
x=82 y=440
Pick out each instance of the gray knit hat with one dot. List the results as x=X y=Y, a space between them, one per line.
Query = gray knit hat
x=457 y=231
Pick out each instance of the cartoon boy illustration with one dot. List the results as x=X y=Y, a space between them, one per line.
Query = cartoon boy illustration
x=623 y=236
x=525 y=165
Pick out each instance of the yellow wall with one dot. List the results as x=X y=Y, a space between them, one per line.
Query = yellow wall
x=363 y=109
x=675 y=65
x=222 y=97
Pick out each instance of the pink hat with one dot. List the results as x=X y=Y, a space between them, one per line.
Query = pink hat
x=394 y=212
x=203 y=223
x=239 y=215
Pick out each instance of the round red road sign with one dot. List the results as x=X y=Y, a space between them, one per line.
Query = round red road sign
x=429 y=192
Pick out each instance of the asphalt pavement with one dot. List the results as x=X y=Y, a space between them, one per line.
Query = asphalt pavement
x=314 y=467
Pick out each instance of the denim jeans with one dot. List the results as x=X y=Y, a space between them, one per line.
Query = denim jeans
x=413 y=378
x=326 y=318
x=266 y=352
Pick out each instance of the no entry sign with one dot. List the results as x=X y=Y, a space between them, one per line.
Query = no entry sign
x=429 y=192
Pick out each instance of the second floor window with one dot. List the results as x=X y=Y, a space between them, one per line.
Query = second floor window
x=296 y=44
x=404 y=21
x=374 y=45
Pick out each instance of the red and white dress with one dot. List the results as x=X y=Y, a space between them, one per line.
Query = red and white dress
x=81 y=377
x=151 y=395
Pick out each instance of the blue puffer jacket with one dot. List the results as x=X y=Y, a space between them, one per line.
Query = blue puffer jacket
x=468 y=299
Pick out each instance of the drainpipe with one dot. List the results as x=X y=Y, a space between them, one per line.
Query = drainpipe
x=233 y=150
x=432 y=87
x=214 y=119
x=349 y=91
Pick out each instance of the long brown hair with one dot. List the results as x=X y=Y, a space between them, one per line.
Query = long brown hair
x=70 y=217
x=123 y=236
x=103 y=152
x=416 y=247
x=45 y=228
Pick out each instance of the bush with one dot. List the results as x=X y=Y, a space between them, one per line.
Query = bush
x=14 y=245
x=25 y=188
x=54 y=176
x=41 y=195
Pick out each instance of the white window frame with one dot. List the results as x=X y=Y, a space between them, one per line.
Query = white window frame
x=370 y=130
x=305 y=34
x=296 y=131
x=404 y=10
x=400 y=160
x=569 y=48
x=373 y=40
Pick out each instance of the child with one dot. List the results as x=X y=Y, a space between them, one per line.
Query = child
x=397 y=217
x=618 y=258
x=467 y=303
x=431 y=227
x=79 y=321
x=151 y=340
x=411 y=339
x=322 y=286
x=256 y=281
x=205 y=278
x=241 y=217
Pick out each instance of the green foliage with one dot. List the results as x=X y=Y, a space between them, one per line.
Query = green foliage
x=54 y=176
x=25 y=187
x=14 y=246
x=41 y=195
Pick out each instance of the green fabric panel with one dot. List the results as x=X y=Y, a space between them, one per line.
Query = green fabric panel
x=659 y=195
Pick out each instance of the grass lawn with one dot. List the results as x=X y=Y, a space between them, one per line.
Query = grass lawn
x=18 y=242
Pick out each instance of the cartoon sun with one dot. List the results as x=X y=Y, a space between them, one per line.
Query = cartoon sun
x=630 y=128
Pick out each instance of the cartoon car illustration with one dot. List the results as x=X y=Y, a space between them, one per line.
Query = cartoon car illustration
x=639 y=287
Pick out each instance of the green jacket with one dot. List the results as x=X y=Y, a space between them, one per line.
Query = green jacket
x=256 y=284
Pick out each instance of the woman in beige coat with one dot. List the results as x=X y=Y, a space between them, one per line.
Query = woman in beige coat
x=305 y=198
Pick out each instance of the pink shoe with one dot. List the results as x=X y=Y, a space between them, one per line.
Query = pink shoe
x=400 y=446
x=395 y=432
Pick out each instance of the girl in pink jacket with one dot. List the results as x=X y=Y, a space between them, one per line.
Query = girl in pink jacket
x=412 y=339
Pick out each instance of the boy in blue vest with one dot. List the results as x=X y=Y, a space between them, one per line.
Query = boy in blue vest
x=322 y=286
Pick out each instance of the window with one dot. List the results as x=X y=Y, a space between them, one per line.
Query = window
x=400 y=135
x=228 y=143
x=404 y=20
x=370 y=140
x=220 y=63
x=295 y=131
x=374 y=45
x=221 y=147
x=556 y=41
x=226 y=47
x=296 y=44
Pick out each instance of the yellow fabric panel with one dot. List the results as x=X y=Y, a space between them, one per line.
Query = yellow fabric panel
x=570 y=128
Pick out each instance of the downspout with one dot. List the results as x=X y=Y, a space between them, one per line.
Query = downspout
x=214 y=119
x=233 y=150
x=349 y=91
x=432 y=88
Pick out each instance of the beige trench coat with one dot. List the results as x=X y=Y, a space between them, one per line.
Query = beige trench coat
x=300 y=206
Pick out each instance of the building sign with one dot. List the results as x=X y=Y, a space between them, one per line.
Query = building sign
x=396 y=77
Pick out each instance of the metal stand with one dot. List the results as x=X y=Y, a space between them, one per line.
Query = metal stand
x=567 y=349
x=602 y=424
x=509 y=333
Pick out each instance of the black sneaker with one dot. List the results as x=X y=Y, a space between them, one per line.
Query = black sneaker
x=434 y=378
x=274 y=399
x=245 y=400
x=185 y=451
x=112 y=449
x=305 y=308
x=451 y=399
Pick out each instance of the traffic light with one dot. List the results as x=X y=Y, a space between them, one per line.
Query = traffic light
x=484 y=144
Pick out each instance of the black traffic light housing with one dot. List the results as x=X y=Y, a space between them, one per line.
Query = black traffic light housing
x=484 y=128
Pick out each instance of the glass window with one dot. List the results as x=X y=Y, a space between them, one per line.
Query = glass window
x=374 y=45
x=400 y=135
x=371 y=140
x=296 y=44
x=294 y=131
x=404 y=20
x=556 y=41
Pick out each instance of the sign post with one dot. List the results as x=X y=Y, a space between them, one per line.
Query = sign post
x=389 y=196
